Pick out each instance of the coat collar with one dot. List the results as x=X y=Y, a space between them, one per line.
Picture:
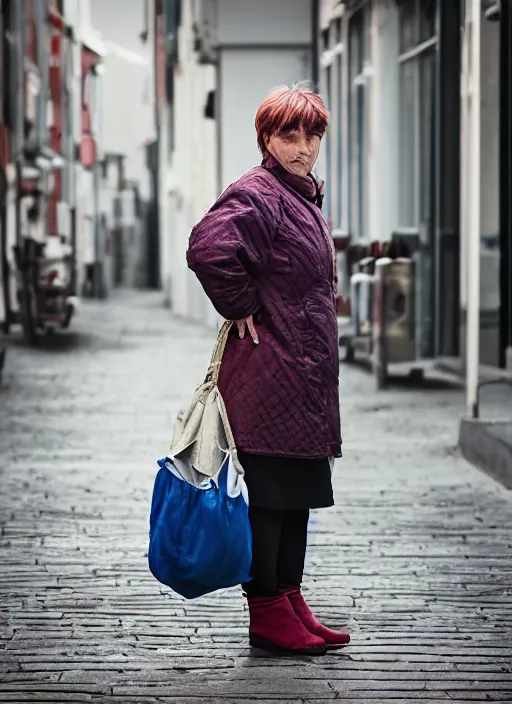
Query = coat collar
x=307 y=186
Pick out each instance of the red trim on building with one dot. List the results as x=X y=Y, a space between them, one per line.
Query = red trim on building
x=88 y=144
x=4 y=146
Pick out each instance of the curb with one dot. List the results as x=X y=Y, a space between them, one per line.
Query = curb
x=488 y=445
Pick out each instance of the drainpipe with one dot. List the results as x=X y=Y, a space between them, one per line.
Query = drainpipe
x=72 y=166
x=315 y=27
x=473 y=219
x=505 y=186
x=18 y=23
x=99 y=273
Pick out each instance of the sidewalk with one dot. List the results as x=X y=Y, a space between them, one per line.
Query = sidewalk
x=487 y=441
x=416 y=558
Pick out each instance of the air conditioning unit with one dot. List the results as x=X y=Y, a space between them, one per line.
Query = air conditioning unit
x=395 y=314
x=204 y=18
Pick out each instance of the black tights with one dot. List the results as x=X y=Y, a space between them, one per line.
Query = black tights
x=279 y=540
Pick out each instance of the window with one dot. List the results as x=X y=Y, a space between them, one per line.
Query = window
x=328 y=149
x=327 y=142
x=337 y=29
x=338 y=127
x=357 y=123
x=325 y=39
x=407 y=144
x=428 y=16
x=408 y=37
x=418 y=146
x=339 y=132
x=427 y=125
x=332 y=89
x=417 y=118
x=417 y=22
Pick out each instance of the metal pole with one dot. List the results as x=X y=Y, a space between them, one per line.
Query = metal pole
x=473 y=222
x=505 y=181
x=464 y=167
x=98 y=285
x=99 y=280
x=315 y=26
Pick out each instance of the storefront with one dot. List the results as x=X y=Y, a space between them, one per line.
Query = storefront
x=391 y=78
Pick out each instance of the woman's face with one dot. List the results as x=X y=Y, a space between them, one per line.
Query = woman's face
x=297 y=150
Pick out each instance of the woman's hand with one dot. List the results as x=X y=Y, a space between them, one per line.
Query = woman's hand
x=249 y=323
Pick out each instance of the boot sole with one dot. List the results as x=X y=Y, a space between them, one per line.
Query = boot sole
x=338 y=646
x=256 y=641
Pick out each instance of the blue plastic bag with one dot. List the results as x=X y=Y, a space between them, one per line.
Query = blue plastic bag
x=200 y=538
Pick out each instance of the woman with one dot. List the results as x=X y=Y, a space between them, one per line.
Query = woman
x=264 y=257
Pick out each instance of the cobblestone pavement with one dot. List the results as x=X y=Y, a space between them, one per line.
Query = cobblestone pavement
x=416 y=558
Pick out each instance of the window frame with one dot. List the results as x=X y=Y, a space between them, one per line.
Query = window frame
x=358 y=118
x=332 y=65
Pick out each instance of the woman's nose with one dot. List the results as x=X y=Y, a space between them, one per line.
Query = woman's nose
x=305 y=146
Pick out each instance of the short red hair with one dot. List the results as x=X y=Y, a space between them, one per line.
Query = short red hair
x=287 y=109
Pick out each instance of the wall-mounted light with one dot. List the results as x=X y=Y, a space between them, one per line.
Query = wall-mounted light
x=43 y=163
x=491 y=9
x=145 y=23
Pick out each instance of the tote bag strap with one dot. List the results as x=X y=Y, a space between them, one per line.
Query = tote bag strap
x=218 y=352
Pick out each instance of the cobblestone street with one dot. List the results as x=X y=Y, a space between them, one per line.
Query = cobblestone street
x=415 y=559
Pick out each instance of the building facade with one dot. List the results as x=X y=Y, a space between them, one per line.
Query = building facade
x=395 y=158
x=50 y=144
x=392 y=75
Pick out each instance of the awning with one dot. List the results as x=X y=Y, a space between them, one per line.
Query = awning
x=92 y=40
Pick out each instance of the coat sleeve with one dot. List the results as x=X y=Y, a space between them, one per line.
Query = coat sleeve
x=226 y=249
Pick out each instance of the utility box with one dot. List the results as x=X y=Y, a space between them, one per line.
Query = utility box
x=394 y=314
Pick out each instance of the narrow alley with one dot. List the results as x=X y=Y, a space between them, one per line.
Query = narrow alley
x=415 y=559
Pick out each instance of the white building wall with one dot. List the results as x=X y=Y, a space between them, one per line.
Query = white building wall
x=127 y=86
x=266 y=22
x=260 y=48
x=189 y=184
x=268 y=43
x=240 y=99
x=77 y=13
x=126 y=115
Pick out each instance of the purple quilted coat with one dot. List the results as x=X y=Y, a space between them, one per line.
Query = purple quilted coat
x=264 y=249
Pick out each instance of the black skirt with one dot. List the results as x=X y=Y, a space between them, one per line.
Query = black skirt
x=283 y=483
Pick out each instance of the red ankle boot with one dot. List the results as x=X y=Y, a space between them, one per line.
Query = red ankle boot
x=274 y=626
x=334 y=640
